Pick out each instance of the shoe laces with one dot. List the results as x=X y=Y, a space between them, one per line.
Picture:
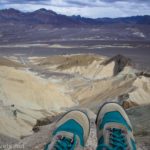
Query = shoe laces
x=64 y=143
x=117 y=140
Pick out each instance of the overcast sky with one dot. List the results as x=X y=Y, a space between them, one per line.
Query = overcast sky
x=86 y=8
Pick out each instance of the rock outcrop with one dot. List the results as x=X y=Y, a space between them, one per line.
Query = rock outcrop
x=120 y=63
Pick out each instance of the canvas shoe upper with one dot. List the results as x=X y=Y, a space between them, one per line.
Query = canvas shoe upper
x=114 y=130
x=71 y=132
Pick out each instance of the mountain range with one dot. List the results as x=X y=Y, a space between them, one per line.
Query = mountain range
x=43 y=16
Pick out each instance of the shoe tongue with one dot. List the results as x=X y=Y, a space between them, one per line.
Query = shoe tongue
x=116 y=138
x=112 y=128
x=68 y=135
x=60 y=136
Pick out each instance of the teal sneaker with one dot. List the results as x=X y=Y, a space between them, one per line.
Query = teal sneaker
x=114 y=130
x=71 y=132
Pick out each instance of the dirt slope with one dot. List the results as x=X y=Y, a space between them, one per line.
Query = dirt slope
x=27 y=96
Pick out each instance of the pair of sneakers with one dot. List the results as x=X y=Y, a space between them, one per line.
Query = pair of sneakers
x=114 y=130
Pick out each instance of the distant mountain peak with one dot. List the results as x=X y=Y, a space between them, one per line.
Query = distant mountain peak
x=11 y=10
x=45 y=11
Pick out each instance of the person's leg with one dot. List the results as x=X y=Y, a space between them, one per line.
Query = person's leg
x=114 y=130
x=71 y=132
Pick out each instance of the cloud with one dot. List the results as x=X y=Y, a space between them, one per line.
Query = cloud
x=86 y=8
x=141 y=1
x=80 y=3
